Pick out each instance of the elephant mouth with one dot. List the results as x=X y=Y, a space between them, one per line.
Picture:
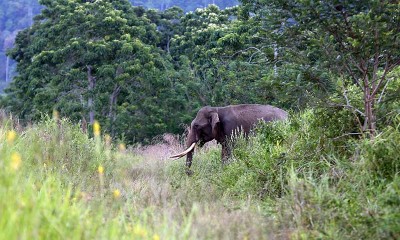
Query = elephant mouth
x=179 y=155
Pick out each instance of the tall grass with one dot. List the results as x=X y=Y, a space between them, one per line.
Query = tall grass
x=67 y=185
x=298 y=179
x=317 y=185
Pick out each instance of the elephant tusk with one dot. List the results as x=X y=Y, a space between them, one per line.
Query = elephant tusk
x=179 y=155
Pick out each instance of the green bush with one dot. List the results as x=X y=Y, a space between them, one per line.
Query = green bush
x=381 y=155
x=292 y=179
x=320 y=186
x=260 y=164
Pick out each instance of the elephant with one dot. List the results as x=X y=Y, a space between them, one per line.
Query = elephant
x=220 y=123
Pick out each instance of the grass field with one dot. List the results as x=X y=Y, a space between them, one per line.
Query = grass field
x=291 y=181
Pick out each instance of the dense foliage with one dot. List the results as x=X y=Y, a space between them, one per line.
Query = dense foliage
x=142 y=72
x=15 y=15
x=357 y=41
x=95 y=60
x=186 y=5
x=331 y=171
x=291 y=181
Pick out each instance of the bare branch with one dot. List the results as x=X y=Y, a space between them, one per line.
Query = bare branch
x=375 y=69
x=347 y=134
x=353 y=75
x=349 y=107
x=245 y=50
x=381 y=80
x=383 y=91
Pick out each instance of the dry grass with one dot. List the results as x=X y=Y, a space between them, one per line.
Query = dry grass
x=159 y=183
x=79 y=187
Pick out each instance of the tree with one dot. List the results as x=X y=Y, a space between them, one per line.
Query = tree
x=209 y=50
x=358 y=40
x=186 y=5
x=94 y=60
x=168 y=24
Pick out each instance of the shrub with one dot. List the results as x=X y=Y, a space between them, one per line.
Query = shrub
x=381 y=154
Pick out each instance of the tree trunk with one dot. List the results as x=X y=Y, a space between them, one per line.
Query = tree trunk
x=369 y=102
x=111 y=113
x=91 y=80
x=370 y=118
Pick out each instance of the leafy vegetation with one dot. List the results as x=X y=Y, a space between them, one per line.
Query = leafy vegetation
x=112 y=73
x=142 y=72
x=288 y=181
x=184 y=4
x=16 y=15
x=113 y=76
x=357 y=41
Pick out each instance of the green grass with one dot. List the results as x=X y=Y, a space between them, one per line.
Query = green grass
x=294 y=180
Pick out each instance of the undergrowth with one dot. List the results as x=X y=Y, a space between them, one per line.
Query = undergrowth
x=297 y=179
x=316 y=185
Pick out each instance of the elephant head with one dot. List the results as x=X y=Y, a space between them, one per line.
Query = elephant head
x=204 y=128
x=220 y=123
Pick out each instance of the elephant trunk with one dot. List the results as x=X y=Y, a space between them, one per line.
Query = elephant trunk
x=190 y=144
x=192 y=139
x=189 y=158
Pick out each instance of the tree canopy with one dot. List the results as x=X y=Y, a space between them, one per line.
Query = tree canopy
x=357 y=41
x=94 y=60
x=142 y=72
x=16 y=15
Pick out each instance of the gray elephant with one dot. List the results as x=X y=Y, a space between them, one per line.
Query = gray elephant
x=220 y=123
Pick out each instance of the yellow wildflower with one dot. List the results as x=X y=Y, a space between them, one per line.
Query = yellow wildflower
x=15 y=161
x=156 y=237
x=100 y=169
x=122 y=147
x=139 y=231
x=11 y=135
x=96 y=128
x=116 y=193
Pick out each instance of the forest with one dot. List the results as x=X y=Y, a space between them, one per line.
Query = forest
x=17 y=15
x=103 y=91
x=142 y=73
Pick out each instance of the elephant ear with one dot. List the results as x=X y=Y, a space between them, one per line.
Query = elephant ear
x=215 y=124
